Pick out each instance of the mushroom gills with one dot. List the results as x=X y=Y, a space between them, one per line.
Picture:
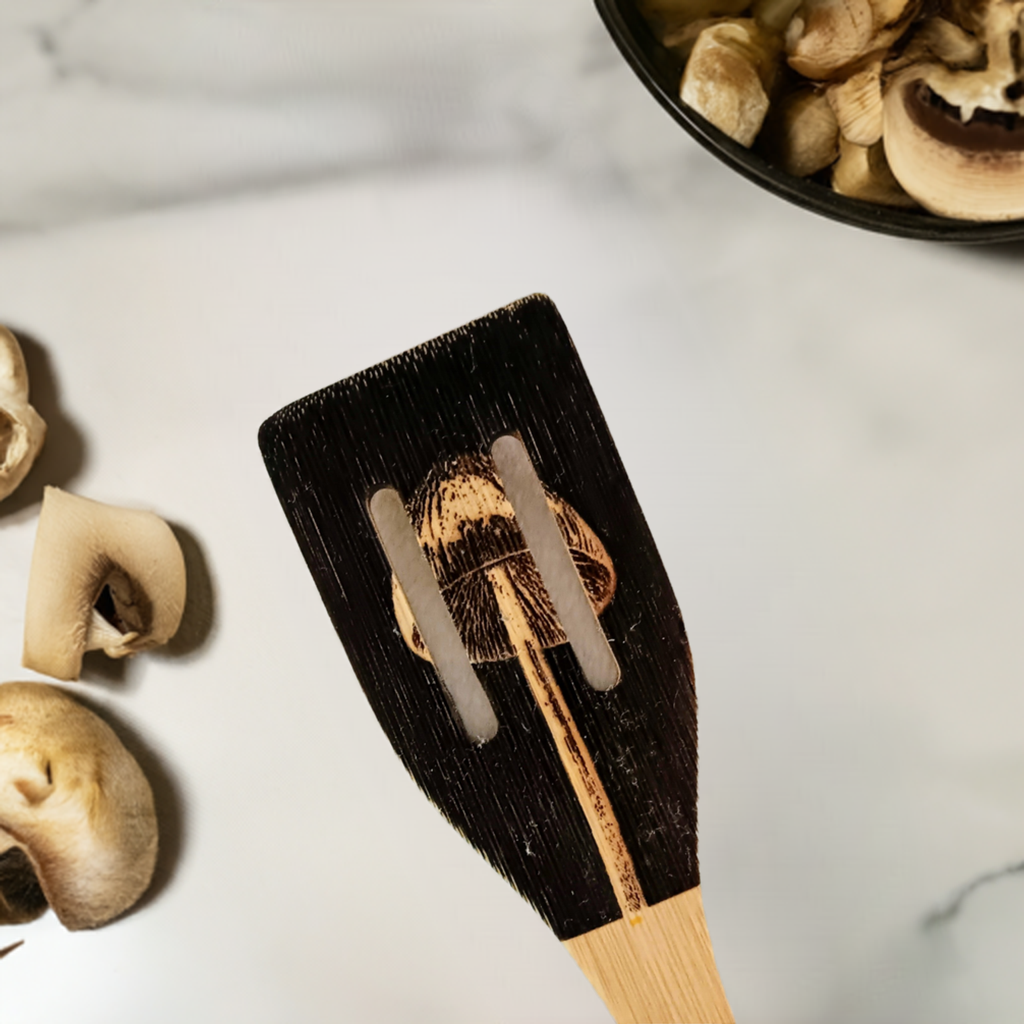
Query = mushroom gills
x=466 y=524
x=109 y=627
x=21 y=896
x=971 y=169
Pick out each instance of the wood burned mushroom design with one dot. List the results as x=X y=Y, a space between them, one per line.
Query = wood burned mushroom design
x=899 y=102
x=468 y=531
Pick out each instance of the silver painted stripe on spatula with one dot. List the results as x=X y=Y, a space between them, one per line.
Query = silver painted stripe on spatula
x=434 y=621
x=540 y=529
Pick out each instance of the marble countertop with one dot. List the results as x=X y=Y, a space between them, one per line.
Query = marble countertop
x=211 y=209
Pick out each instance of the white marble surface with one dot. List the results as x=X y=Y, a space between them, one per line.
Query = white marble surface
x=189 y=247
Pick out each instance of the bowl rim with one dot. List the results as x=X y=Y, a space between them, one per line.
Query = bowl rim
x=660 y=71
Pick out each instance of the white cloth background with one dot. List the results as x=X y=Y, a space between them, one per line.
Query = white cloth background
x=210 y=209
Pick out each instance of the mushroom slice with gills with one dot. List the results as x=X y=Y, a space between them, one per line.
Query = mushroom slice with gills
x=729 y=76
x=22 y=429
x=78 y=829
x=826 y=37
x=938 y=40
x=102 y=578
x=467 y=527
x=954 y=136
x=857 y=103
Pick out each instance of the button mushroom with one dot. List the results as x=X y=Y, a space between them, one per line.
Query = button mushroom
x=802 y=134
x=22 y=429
x=729 y=76
x=78 y=827
x=826 y=37
x=102 y=578
x=954 y=124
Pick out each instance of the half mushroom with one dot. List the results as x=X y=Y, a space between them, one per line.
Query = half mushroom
x=954 y=116
x=22 y=429
x=102 y=578
x=78 y=828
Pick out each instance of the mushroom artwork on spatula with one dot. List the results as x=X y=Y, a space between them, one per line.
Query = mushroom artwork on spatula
x=471 y=537
x=903 y=103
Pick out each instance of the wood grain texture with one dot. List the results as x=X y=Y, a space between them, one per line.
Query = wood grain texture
x=657 y=970
x=513 y=372
x=576 y=759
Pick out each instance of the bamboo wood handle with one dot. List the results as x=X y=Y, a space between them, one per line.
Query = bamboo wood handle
x=660 y=970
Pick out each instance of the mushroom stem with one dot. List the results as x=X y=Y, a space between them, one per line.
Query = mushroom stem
x=572 y=751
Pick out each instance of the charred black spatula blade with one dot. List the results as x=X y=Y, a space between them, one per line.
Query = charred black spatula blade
x=584 y=798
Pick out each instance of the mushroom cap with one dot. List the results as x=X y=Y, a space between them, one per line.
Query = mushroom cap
x=954 y=116
x=77 y=822
x=22 y=429
x=466 y=525
x=974 y=171
x=101 y=577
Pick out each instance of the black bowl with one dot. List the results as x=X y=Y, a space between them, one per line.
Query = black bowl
x=660 y=70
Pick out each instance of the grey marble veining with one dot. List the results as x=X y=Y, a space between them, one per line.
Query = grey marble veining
x=841 y=413
x=112 y=105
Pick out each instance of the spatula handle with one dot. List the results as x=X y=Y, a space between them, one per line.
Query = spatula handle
x=658 y=971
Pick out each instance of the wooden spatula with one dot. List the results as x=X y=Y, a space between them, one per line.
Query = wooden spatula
x=484 y=560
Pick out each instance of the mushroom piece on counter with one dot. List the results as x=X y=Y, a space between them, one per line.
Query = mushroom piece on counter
x=22 y=429
x=102 y=578
x=78 y=829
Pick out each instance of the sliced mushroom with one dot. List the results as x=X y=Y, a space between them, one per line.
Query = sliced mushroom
x=954 y=135
x=801 y=134
x=466 y=527
x=78 y=828
x=729 y=75
x=22 y=429
x=102 y=578
x=939 y=40
x=862 y=173
x=857 y=103
x=826 y=38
